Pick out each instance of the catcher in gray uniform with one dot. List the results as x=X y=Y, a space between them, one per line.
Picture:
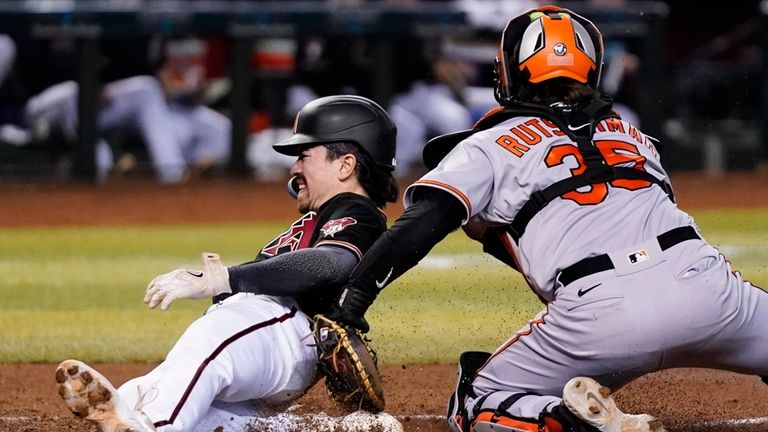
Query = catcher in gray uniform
x=555 y=184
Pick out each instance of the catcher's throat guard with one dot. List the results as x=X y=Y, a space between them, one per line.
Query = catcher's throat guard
x=349 y=364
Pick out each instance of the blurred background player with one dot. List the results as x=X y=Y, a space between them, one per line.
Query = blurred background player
x=180 y=135
x=432 y=104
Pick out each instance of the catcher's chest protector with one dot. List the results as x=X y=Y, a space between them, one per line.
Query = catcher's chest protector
x=579 y=125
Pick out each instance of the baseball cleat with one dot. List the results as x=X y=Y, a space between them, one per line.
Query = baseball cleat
x=593 y=404
x=92 y=397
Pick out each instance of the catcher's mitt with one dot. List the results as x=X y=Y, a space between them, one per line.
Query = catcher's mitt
x=349 y=364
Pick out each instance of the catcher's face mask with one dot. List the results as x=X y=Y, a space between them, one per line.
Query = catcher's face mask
x=546 y=43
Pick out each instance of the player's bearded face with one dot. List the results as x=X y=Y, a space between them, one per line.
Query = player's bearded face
x=316 y=177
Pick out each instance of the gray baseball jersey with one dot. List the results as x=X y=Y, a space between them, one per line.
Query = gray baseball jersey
x=665 y=298
x=494 y=172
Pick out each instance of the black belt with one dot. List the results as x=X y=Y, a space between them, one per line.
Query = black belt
x=603 y=262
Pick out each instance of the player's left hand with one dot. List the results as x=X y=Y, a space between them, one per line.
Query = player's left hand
x=189 y=283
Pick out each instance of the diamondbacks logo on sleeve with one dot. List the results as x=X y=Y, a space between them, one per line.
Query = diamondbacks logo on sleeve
x=333 y=227
x=297 y=236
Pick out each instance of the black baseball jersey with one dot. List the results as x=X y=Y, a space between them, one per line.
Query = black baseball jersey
x=347 y=220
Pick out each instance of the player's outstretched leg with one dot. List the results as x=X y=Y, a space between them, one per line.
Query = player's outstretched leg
x=92 y=397
x=593 y=404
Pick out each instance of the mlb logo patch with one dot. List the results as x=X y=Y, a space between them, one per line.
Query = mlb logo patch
x=638 y=257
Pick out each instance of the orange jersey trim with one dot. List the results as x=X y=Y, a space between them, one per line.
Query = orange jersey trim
x=525 y=331
x=451 y=189
x=355 y=250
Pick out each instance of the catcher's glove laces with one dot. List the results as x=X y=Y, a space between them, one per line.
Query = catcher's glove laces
x=349 y=364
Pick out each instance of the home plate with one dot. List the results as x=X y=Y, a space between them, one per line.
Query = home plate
x=367 y=422
x=229 y=418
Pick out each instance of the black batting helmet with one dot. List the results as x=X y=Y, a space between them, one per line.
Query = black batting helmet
x=546 y=43
x=344 y=118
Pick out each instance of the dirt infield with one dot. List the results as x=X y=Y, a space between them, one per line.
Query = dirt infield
x=216 y=200
x=686 y=400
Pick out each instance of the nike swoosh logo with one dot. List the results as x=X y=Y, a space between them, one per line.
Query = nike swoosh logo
x=577 y=127
x=198 y=274
x=584 y=291
x=381 y=284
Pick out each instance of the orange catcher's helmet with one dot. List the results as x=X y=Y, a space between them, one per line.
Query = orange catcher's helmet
x=546 y=43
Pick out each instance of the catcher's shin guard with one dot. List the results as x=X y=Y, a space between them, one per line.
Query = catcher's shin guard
x=560 y=419
x=469 y=363
x=489 y=421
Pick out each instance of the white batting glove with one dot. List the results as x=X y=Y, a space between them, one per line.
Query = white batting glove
x=189 y=283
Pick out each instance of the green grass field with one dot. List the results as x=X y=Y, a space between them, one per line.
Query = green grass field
x=77 y=292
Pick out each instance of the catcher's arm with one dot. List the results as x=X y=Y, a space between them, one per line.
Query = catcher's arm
x=349 y=364
x=397 y=250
